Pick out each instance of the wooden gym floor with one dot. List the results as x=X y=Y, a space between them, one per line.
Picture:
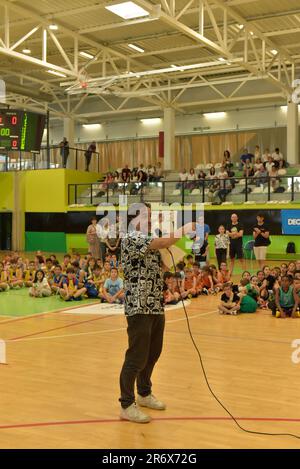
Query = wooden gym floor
x=60 y=386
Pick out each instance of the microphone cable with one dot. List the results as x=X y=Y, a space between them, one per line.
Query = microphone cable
x=205 y=375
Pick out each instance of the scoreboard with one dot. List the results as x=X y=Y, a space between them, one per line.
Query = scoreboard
x=21 y=130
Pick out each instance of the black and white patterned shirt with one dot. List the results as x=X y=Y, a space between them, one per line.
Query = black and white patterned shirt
x=143 y=281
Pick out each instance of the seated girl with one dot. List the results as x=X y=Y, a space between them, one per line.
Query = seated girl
x=40 y=287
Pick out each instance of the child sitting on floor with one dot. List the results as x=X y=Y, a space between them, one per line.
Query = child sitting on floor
x=70 y=290
x=247 y=295
x=286 y=299
x=113 y=291
x=40 y=287
x=230 y=301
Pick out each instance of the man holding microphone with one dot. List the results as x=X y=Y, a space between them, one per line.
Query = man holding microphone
x=144 y=311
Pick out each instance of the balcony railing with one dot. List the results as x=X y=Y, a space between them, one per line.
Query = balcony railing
x=215 y=191
x=47 y=158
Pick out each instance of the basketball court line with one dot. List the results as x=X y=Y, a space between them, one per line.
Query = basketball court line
x=25 y=339
x=23 y=318
x=155 y=419
x=61 y=327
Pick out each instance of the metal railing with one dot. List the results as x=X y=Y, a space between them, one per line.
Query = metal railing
x=47 y=158
x=216 y=191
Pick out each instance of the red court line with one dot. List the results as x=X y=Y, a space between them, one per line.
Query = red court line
x=32 y=316
x=61 y=327
x=166 y=419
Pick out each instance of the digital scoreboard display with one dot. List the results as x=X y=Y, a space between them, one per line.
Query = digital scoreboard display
x=21 y=130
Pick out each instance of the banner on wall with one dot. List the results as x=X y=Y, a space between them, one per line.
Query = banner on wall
x=290 y=222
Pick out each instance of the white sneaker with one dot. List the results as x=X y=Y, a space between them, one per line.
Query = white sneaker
x=151 y=402
x=134 y=414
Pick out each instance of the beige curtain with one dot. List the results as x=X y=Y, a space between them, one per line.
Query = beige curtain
x=190 y=150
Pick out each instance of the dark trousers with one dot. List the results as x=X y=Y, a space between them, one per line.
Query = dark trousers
x=65 y=155
x=87 y=161
x=221 y=256
x=145 y=341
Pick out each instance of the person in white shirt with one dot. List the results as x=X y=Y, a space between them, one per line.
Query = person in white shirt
x=257 y=152
x=266 y=155
x=40 y=287
x=269 y=165
x=183 y=176
x=258 y=164
x=277 y=155
x=192 y=177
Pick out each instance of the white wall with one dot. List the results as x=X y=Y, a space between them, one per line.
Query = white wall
x=253 y=118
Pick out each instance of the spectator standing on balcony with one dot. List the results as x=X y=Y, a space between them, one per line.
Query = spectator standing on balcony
x=64 y=151
x=92 y=238
x=244 y=157
x=88 y=154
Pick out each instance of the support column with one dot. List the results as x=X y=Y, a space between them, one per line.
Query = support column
x=292 y=133
x=169 y=138
x=69 y=133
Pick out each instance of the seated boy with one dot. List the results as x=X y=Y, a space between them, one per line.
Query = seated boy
x=3 y=278
x=70 y=290
x=29 y=274
x=113 y=288
x=230 y=301
x=189 y=288
x=56 y=282
x=15 y=276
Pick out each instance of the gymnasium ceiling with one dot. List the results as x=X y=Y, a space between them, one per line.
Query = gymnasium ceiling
x=198 y=55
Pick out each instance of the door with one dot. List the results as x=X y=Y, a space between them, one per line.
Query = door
x=5 y=231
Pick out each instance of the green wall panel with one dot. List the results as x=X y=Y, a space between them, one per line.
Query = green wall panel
x=76 y=241
x=49 y=242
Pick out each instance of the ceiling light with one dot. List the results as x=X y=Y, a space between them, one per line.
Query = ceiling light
x=26 y=51
x=133 y=46
x=86 y=55
x=91 y=126
x=58 y=74
x=214 y=115
x=53 y=27
x=240 y=26
x=127 y=10
x=274 y=51
x=151 y=121
x=252 y=33
x=222 y=59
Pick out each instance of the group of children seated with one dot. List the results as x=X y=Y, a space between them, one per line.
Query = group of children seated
x=77 y=277
x=276 y=288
